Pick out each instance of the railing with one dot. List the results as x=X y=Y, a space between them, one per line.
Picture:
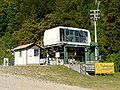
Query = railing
x=83 y=68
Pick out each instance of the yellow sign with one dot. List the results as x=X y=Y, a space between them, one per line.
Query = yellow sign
x=104 y=68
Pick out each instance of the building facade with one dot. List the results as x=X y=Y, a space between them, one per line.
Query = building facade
x=27 y=54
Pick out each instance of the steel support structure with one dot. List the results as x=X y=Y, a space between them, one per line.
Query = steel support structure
x=66 y=53
x=86 y=55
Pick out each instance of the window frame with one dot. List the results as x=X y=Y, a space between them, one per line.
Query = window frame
x=20 y=53
x=36 y=53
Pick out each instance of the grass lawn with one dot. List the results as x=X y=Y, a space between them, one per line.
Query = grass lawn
x=64 y=75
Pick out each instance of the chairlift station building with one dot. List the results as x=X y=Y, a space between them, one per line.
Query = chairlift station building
x=69 y=43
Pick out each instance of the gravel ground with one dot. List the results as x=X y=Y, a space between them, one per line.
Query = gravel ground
x=12 y=82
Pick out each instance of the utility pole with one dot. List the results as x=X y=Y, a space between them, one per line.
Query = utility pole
x=95 y=2
x=95 y=16
x=98 y=5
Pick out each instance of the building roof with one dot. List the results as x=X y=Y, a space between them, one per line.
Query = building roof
x=25 y=46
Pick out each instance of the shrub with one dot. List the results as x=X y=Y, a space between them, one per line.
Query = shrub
x=116 y=59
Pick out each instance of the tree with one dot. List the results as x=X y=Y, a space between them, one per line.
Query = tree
x=69 y=13
x=112 y=25
x=115 y=58
x=3 y=16
x=10 y=22
x=30 y=32
x=4 y=53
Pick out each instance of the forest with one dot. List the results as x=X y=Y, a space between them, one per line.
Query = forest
x=24 y=21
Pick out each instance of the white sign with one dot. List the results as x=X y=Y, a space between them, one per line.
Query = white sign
x=57 y=54
x=6 y=62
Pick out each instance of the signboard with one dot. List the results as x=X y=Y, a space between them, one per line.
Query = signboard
x=57 y=54
x=104 y=68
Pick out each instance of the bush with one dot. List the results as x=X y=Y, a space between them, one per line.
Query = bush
x=5 y=53
x=116 y=59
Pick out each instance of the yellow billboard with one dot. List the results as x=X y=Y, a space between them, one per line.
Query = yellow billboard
x=104 y=68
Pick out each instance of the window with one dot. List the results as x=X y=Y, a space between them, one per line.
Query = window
x=76 y=33
x=86 y=33
x=67 y=32
x=70 y=39
x=69 y=35
x=36 y=52
x=61 y=34
x=81 y=33
x=76 y=39
x=20 y=53
x=71 y=32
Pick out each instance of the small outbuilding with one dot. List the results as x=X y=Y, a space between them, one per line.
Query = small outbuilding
x=27 y=54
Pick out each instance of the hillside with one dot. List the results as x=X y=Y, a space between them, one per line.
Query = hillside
x=24 y=21
x=64 y=75
x=13 y=82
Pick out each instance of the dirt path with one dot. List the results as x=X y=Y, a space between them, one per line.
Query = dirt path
x=12 y=82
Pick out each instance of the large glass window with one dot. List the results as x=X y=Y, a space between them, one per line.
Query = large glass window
x=76 y=33
x=81 y=33
x=73 y=35
x=71 y=32
x=70 y=39
x=67 y=32
x=76 y=39
x=86 y=33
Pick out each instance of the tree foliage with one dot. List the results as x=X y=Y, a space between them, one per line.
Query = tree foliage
x=4 y=53
x=116 y=59
x=112 y=25
x=24 y=21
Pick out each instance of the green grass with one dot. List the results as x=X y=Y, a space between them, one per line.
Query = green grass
x=64 y=75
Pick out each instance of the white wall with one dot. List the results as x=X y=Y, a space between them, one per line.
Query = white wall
x=31 y=59
x=27 y=57
x=20 y=60
x=52 y=36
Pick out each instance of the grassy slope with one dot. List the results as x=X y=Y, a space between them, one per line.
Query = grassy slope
x=61 y=74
